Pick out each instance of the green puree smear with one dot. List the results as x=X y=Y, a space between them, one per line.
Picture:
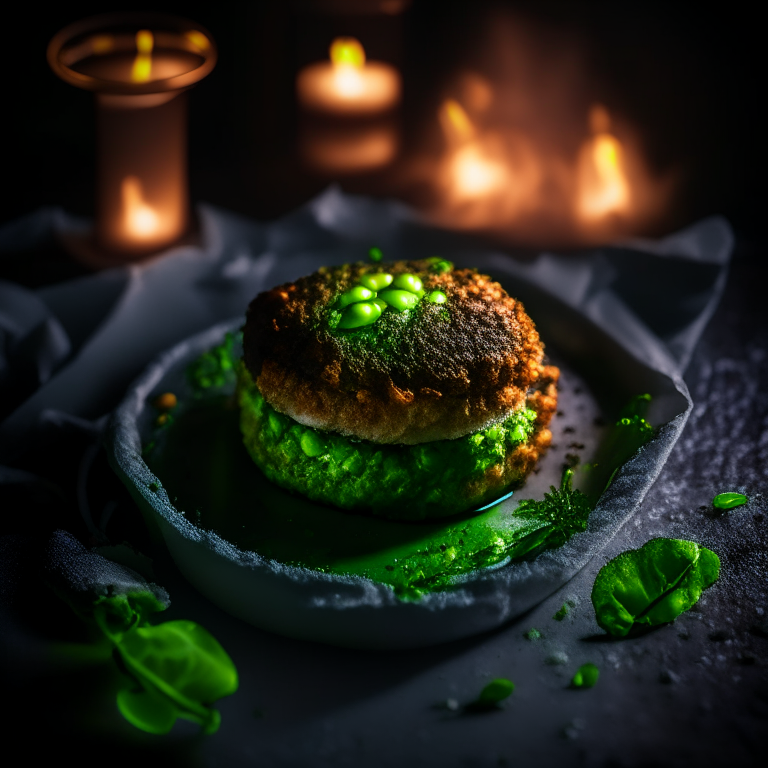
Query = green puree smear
x=202 y=463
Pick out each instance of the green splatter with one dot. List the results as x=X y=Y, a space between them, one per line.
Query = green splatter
x=215 y=368
x=586 y=676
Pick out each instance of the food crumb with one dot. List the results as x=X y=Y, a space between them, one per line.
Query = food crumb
x=166 y=402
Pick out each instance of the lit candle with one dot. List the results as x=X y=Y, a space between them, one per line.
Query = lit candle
x=138 y=65
x=473 y=172
x=349 y=123
x=602 y=175
x=348 y=84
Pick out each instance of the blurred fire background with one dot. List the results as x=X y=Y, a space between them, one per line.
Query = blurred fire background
x=539 y=91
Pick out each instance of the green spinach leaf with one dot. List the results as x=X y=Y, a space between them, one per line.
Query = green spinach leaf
x=652 y=585
x=181 y=669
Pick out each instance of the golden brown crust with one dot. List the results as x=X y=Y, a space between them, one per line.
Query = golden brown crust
x=437 y=372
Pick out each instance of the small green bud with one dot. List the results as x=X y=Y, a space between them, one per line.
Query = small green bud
x=352 y=296
x=361 y=314
x=399 y=300
x=375 y=255
x=376 y=281
x=407 y=282
x=437 y=297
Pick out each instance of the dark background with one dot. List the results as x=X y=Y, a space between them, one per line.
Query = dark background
x=687 y=75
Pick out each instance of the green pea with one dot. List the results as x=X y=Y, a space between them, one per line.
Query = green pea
x=437 y=297
x=407 y=282
x=439 y=265
x=586 y=676
x=376 y=281
x=352 y=296
x=375 y=254
x=275 y=424
x=399 y=300
x=360 y=314
x=312 y=444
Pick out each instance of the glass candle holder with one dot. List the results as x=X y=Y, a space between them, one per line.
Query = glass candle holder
x=139 y=65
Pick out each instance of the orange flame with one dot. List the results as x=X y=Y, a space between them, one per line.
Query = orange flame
x=142 y=64
x=455 y=121
x=348 y=59
x=472 y=172
x=347 y=51
x=141 y=221
x=603 y=185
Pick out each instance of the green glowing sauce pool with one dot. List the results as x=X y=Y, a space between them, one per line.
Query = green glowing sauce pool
x=200 y=459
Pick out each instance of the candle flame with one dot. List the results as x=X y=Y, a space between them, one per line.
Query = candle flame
x=474 y=174
x=141 y=221
x=603 y=179
x=347 y=51
x=348 y=59
x=142 y=65
x=455 y=121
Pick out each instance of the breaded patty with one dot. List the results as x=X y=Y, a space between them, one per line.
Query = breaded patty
x=436 y=371
x=402 y=482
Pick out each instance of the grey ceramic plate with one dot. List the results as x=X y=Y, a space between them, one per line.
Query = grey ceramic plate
x=357 y=612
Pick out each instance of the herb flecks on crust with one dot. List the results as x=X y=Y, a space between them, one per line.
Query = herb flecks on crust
x=435 y=371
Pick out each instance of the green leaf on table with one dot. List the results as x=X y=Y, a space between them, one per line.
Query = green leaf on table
x=147 y=711
x=729 y=500
x=118 y=614
x=181 y=663
x=652 y=585
x=586 y=676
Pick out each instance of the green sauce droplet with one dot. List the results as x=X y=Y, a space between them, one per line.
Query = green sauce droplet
x=361 y=314
x=399 y=300
x=729 y=500
x=407 y=282
x=375 y=255
x=586 y=676
x=376 y=281
x=352 y=296
x=437 y=297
